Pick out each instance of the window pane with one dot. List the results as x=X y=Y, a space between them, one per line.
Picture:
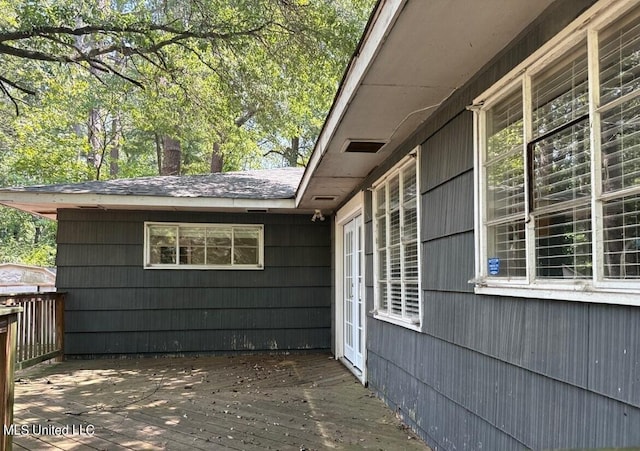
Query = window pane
x=563 y=244
x=384 y=296
x=410 y=221
x=219 y=246
x=505 y=186
x=411 y=261
x=192 y=255
x=382 y=265
x=621 y=147
x=219 y=237
x=506 y=248
x=505 y=134
x=620 y=60
x=162 y=244
x=380 y=201
x=562 y=167
x=218 y=255
x=246 y=237
x=394 y=263
x=245 y=246
x=394 y=193
x=192 y=243
x=245 y=256
x=560 y=93
x=412 y=300
x=409 y=184
x=381 y=225
x=505 y=167
x=394 y=227
x=621 y=219
x=395 y=298
x=192 y=236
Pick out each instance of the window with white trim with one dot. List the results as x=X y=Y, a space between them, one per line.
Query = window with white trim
x=397 y=243
x=203 y=246
x=558 y=182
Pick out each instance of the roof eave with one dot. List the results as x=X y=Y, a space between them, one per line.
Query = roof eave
x=414 y=56
x=48 y=204
x=381 y=22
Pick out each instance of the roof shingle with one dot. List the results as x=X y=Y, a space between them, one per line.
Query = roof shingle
x=278 y=183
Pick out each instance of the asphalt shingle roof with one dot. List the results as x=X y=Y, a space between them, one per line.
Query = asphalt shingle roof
x=278 y=183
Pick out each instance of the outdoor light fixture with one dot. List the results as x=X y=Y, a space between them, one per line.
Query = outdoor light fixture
x=317 y=215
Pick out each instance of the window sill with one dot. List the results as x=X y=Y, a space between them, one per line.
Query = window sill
x=205 y=267
x=577 y=293
x=398 y=321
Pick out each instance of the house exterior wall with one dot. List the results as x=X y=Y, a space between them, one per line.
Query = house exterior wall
x=490 y=372
x=115 y=307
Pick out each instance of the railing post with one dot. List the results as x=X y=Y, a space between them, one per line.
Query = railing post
x=60 y=325
x=40 y=327
x=8 y=325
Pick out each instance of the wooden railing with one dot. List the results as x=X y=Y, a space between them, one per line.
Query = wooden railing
x=40 y=330
x=8 y=320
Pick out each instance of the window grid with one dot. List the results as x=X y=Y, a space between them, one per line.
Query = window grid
x=581 y=189
x=203 y=246
x=397 y=245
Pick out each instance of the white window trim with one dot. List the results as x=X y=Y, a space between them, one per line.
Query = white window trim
x=417 y=325
x=146 y=248
x=596 y=290
x=353 y=208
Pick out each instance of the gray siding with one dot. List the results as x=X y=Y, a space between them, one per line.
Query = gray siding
x=490 y=372
x=116 y=307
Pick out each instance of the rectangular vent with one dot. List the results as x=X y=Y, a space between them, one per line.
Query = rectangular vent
x=324 y=198
x=364 y=146
x=257 y=210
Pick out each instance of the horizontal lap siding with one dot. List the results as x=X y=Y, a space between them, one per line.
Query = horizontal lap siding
x=491 y=372
x=114 y=306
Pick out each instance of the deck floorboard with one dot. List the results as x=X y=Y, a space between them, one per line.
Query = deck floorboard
x=279 y=402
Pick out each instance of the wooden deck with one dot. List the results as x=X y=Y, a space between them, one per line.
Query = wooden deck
x=300 y=402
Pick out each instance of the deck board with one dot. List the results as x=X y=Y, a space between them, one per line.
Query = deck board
x=296 y=402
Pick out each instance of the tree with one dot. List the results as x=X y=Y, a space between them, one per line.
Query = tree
x=159 y=86
x=99 y=39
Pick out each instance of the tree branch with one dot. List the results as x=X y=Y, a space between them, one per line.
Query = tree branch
x=8 y=94
x=16 y=86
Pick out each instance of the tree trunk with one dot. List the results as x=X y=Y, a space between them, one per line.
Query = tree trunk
x=94 y=131
x=114 y=152
x=37 y=235
x=291 y=153
x=172 y=156
x=217 y=159
x=158 y=152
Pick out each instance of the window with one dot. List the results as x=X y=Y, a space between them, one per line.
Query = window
x=203 y=246
x=558 y=161
x=397 y=257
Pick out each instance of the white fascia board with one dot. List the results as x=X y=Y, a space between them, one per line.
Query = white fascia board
x=386 y=16
x=61 y=200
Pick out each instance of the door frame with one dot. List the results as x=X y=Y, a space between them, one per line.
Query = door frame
x=353 y=208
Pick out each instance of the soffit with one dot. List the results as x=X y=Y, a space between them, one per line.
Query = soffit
x=415 y=54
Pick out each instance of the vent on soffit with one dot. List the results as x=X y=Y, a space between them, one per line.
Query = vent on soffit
x=363 y=146
x=324 y=198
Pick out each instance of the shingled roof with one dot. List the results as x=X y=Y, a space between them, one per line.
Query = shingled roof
x=258 y=184
x=256 y=189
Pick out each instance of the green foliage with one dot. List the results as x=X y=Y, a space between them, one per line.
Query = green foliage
x=111 y=78
x=26 y=239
